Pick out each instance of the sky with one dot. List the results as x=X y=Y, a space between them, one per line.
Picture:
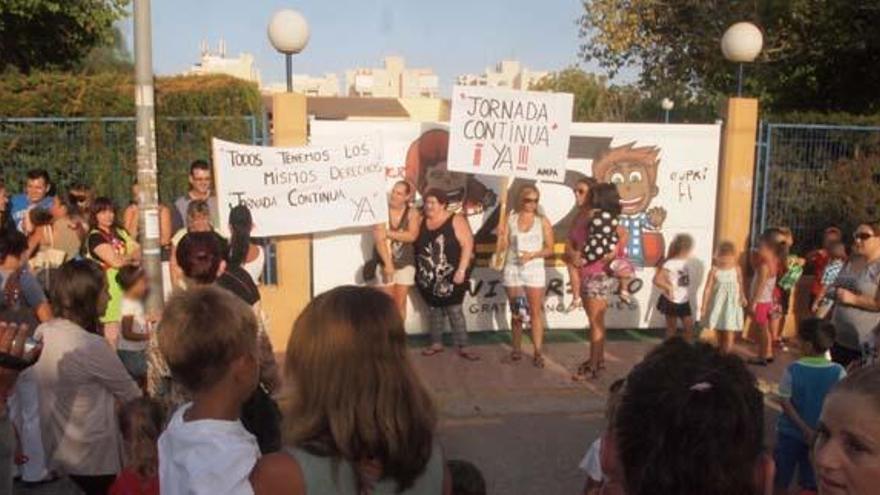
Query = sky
x=451 y=36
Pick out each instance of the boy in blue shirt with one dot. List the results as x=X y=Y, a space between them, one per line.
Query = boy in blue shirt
x=802 y=391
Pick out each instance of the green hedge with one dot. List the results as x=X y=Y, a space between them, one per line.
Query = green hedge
x=85 y=141
x=50 y=94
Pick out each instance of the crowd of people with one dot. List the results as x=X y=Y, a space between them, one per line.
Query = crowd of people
x=95 y=388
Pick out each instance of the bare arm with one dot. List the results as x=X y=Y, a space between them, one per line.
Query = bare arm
x=763 y=276
x=44 y=312
x=130 y=220
x=707 y=290
x=277 y=473
x=128 y=332
x=412 y=231
x=549 y=241
x=661 y=281
x=466 y=239
x=867 y=302
x=111 y=258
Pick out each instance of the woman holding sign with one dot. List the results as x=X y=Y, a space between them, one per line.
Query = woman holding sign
x=528 y=239
x=444 y=249
x=394 y=244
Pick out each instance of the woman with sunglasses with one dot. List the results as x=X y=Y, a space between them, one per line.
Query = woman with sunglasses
x=857 y=296
x=581 y=197
x=528 y=239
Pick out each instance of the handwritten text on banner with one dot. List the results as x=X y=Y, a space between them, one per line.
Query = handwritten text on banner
x=302 y=190
x=509 y=133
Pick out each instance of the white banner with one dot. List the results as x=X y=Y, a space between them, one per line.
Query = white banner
x=302 y=190
x=667 y=174
x=509 y=133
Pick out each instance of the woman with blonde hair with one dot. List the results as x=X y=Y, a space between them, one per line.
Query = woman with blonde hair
x=528 y=239
x=358 y=419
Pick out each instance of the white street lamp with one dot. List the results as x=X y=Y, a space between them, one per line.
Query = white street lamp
x=289 y=33
x=666 y=104
x=741 y=43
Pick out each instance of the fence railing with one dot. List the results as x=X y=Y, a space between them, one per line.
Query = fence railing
x=100 y=152
x=811 y=176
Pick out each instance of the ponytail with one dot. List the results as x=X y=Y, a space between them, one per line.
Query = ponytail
x=240 y=224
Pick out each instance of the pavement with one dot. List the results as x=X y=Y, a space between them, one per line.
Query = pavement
x=525 y=428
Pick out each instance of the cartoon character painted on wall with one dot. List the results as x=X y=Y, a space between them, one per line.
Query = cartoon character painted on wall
x=634 y=171
x=426 y=168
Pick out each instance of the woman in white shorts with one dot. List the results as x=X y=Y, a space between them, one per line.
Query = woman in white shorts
x=528 y=239
x=395 y=244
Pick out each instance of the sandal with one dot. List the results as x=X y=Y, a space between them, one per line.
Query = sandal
x=468 y=355
x=431 y=351
x=538 y=361
x=575 y=305
x=582 y=371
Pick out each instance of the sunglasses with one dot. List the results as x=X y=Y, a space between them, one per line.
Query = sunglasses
x=862 y=236
x=529 y=200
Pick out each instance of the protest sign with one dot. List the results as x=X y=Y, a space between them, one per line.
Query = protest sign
x=302 y=190
x=667 y=173
x=509 y=133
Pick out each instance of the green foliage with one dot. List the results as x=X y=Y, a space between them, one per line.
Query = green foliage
x=54 y=34
x=111 y=94
x=818 y=55
x=596 y=101
x=94 y=143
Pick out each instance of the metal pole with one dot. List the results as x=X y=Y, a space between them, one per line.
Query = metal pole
x=148 y=199
x=288 y=59
x=739 y=82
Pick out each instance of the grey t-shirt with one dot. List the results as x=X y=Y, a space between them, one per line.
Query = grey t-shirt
x=178 y=216
x=854 y=325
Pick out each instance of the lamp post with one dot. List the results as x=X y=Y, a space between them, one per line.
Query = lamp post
x=289 y=33
x=667 y=105
x=145 y=146
x=741 y=43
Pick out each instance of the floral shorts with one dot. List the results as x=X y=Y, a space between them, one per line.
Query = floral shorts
x=597 y=286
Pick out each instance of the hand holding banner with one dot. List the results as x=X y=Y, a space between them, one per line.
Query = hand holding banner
x=302 y=190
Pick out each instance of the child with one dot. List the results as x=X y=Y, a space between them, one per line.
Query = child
x=597 y=481
x=208 y=337
x=789 y=275
x=723 y=297
x=140 y=422
x=763 y=306
x=802 y=391
x=836 y=260
x=601 y=251
x=135 y=328
x=673 y=278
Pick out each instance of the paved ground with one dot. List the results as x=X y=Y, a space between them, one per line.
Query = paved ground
x=525 y=428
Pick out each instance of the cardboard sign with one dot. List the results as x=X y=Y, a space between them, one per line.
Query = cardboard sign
x=667 y=173
x=302 y=190
x=509 y=133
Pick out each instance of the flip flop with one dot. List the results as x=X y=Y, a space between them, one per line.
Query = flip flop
x=431 y=351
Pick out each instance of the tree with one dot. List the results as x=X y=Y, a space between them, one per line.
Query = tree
x=818 y=54
x=594 y=101
x=54 y=34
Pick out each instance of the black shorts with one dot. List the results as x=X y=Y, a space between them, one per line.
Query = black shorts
x=784 y=300
x=669 y=308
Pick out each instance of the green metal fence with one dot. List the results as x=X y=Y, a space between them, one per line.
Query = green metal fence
x=811 y=176
x=101 y=151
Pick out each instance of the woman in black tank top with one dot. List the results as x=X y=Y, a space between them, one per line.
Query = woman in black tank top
x=444 y=251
